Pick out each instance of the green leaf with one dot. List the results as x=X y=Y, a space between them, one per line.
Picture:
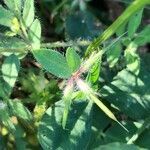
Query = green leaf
x=11 y=45
x=132 y=58
x=6 y=17
x=134 y=23
x=129 y=93
x=99 y=123
x=115 y=132
x=73 y=59
x=53 y=62
x=122 y=29
x=35 y=34
x=77 y=134
x=14 y=5
x=140 y=130
x=2 y=142
x=104 y=131
x=28 y=13
x=113 y=54
x=19 y=110
x=94 y=72
x=21 y=143
x=126 y=41
x=2 y=90
x=143 y=139
x=5 y=118
x=90 y=95
x=118 y=146
x=142 y=38
x=10 y=69
x=81 y=25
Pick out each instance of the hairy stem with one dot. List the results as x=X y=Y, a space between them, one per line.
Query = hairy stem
x=20 y=50
x=65 y=44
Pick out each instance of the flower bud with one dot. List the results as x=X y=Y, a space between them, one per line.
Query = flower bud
x=84 y=87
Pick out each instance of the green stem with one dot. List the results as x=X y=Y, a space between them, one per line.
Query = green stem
x=123 y=18
x=65 y=44
x=20 y=50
